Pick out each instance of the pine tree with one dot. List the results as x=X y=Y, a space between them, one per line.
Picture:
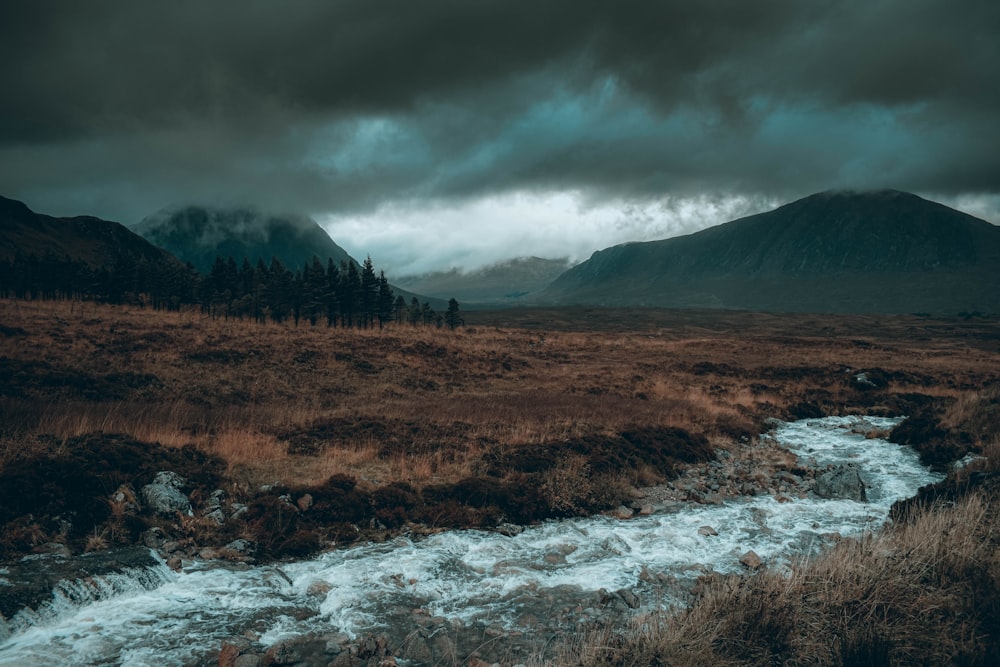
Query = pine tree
x=385 y=301
x=369 y=293
x=451 y=317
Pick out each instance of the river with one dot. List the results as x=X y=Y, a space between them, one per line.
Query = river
x=548 y=576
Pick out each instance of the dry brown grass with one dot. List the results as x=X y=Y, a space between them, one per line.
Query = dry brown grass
x=922 y=593
x=236 y=389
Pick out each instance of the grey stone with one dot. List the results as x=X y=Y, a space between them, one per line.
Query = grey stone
x=751 y=560
x=217 y=515
x=154 y=538
x=844 y=481
x=628 y=597
x=164 y=495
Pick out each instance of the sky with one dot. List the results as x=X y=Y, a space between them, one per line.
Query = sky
x=456 y=133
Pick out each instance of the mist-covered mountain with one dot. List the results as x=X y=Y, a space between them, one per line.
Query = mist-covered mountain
x=198 y=234
x=504 y=283
x=884 y=252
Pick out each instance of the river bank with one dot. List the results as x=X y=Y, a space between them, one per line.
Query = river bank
x=498 y=598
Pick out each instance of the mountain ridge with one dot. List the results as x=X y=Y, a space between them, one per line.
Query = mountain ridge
x=834 y=251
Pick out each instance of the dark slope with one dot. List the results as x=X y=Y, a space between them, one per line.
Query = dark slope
x=884 y=251
x=91 y=241
x=198 y=234
x=505 y=283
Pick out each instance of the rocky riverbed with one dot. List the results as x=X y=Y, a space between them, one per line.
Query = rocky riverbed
x=464 y=596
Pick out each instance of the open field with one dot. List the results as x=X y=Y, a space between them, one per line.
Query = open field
x=514 y=398
x=328 y=436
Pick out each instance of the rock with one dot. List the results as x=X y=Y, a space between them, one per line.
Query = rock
x=345 y=659
x=844 y=481
x=622 y=512
x=248 y=660
x=628 y=597
x=415 y=649
x=282 y=653
x=237 y=510
x=510 y=529
x=164 y=495
x=707 y=531
x=241 y=547
x=751 y=560
x=53 y=548
x=335 y=643
x=217 y=498
x=216 y=515
x=153 y=538
x=228 y=655
x=318 y=589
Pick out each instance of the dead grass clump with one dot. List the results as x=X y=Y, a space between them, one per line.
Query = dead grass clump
x=924 y=592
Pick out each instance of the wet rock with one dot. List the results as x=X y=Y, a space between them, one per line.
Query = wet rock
x=54 y=549
x=844 y=481
x=164 y=495
x=751 y=560
x=707 y=531
x=622 y=512
x=249 y=660
x=345 y=659
x=630 y=599
x=282 y=654
x=510 y=529
x=336 y=642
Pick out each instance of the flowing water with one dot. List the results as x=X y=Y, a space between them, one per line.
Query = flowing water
x=468 y=577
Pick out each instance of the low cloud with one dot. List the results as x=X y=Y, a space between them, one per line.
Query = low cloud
x=376 y=114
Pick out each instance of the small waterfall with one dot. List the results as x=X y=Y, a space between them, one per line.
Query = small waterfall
x=44 y=589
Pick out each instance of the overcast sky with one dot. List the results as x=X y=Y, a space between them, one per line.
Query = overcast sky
x=437 y=133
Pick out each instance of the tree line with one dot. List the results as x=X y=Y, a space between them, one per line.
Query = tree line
x=345 y=294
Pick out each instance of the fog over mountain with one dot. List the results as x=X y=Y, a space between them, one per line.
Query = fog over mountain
x=441 y=135
x=198 y=234
x=839 y=251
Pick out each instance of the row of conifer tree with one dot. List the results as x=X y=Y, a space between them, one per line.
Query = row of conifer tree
x=333 y=294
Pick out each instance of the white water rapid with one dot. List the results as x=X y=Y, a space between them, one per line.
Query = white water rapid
x=478 y=577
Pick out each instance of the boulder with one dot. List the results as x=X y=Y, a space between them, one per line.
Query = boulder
x=707 y=531
x=164 y=495
x=844 y=481
x=751 y=560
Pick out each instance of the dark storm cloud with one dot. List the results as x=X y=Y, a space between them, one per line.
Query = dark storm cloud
x=117 y=108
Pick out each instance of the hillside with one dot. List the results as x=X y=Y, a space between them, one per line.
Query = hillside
x=198 y=234
x=92 y=241
x=47 y=257
x=884 y=251
x=504 y=283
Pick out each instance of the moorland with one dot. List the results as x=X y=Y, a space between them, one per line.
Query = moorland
x=326 y=436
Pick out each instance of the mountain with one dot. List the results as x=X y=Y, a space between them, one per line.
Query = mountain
x=198 y=234
x=838 y=251
x=503 y=283
x=91 y=241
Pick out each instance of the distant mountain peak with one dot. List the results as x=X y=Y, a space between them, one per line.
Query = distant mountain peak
x=834 y=251
x=198 y=234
